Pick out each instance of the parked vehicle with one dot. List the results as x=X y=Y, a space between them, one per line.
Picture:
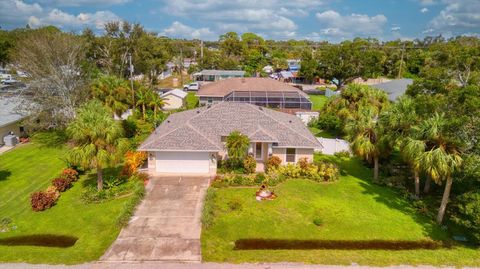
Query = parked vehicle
x=191 y=87
x=9 y=81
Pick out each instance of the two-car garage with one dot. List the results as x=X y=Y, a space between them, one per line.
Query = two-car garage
x=184 y=162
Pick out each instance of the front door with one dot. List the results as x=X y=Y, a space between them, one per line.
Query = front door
x=258 y=151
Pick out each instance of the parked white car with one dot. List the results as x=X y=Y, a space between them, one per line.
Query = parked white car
x=191 y=87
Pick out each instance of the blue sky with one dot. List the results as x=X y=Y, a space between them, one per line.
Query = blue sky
x=332 y=20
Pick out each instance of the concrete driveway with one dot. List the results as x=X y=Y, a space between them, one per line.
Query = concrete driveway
x=166 y=226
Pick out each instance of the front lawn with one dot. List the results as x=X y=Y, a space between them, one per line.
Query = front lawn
x=318 y=101
x=350 y=209
x=30 y=168
x=191 y=100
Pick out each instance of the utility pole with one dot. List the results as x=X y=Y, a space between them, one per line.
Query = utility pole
x=131 y=80
x=401 y=62
x=201 y=52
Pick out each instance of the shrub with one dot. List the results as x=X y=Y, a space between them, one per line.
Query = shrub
x=61 y=184
x=303 y=163
x=260 y=178
x=466 y=213
x=235 y=204
x=329 y=171
x=249 y=164
x=273 y=163
x=70 y=174
x=342 y=154
x=290 y=170
x=52 y=190
x=133 y=160
x=42 y=200
x=317 y=221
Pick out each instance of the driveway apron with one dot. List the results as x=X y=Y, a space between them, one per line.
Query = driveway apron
x=166 y=226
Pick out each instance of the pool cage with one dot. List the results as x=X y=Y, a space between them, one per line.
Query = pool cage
x=291 y=100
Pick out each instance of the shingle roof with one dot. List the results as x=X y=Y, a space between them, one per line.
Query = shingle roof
x=179 y=93
x=224 y=87
x=8 y=114
x=394 y=88
x=201 y=129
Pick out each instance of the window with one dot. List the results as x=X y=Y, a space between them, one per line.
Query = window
x=290 y=155
x=22 y=129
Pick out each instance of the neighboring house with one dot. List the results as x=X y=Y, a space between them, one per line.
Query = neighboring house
x=9 y=118
x=216 y=75
x=265 y=92
x=193 y=141
x=174 y=99
x=293 y=64
x=394 y=88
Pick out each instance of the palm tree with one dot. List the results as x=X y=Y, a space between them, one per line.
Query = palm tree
x=97 y=138
x=114 y=92
x=237 y=146
x=399 y=119
x=441 y=157
x=142 y=99
x=365 y=136
x=155 y=101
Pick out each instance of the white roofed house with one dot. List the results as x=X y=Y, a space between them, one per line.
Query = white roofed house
x=192 y=141
x=10 y=119
x=174 y=99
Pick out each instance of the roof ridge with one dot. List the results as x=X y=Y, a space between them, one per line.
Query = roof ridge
x=260 y=128
x=198 y=132
x=263 y=111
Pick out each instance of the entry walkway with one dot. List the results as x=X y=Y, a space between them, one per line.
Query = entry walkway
x=166 y=226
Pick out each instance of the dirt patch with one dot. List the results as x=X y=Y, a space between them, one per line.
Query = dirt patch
x=40 y=240
x=256 y=244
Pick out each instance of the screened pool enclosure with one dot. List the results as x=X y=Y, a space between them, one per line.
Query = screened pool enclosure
x=291 y=100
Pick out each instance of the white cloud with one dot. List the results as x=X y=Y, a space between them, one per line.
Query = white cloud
x=180 y=30
x=458 y=17
x=336 y=26
x=17 y=13
x=427 y=2
x=395 y=29
x=272 y=18
x=79 y=3
x=68 y=21
x=424 y=10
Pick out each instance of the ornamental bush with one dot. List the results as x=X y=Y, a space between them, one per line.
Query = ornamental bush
x=290 y=170
x=249 y=164
x=273 y=163
x=303 y=163
x=42 y=200
x=61 y=184
x=133 y=160
x=69 y=174
x=466 y=213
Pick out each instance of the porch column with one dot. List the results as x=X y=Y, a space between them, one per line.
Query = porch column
x=250 y=148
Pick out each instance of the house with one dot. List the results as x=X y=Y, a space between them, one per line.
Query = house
x=174 y=99
x=265 y=92
x=193 y=141
x=394 y=88
x=9 y=118
x=216 y=75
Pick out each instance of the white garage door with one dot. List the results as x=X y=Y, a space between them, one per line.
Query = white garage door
x=182 y=162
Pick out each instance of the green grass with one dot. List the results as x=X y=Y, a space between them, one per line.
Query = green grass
x=318 y=101
x=191 y=100
x=322 y=133
x=30 y=168
x=350 y=209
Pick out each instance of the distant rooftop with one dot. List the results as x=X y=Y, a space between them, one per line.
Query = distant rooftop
x=8 y=114
x=394 y=88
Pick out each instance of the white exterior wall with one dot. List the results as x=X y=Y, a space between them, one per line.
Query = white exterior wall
x=173 y=102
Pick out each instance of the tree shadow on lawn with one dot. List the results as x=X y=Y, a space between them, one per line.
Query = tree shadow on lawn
x=388 y=196
x=91 y=179
x=5 y=174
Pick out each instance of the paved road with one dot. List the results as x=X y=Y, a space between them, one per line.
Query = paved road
x=160 y=265
x=166 y=226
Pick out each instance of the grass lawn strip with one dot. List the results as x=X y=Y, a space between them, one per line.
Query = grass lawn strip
x=350 y=209
x=31 y=168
